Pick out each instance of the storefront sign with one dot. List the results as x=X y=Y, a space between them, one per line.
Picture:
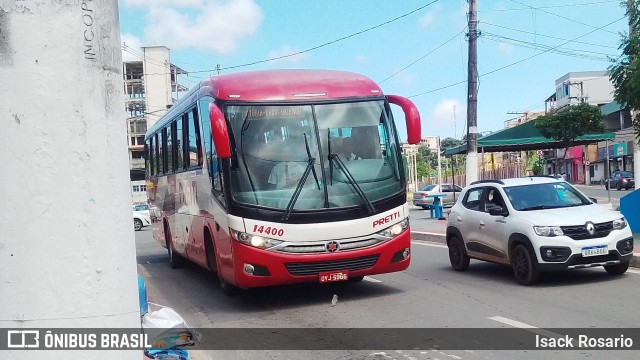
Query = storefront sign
x=620 y=149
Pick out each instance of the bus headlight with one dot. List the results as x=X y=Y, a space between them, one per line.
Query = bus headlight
x=396 y=229
x=256 y=241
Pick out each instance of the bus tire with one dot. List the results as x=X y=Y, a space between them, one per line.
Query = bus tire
x=175 y=260
x=210 y=253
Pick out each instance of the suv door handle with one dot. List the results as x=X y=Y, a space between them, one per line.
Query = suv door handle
x=459 y=219
x=481 y=224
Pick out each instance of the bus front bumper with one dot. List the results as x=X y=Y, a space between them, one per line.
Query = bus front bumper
x=255 y=267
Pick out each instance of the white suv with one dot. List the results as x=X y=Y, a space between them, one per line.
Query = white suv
x=536 y=224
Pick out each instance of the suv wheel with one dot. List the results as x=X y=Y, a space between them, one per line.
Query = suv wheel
x=617 y=269
x=523 y=265
x=458 y=254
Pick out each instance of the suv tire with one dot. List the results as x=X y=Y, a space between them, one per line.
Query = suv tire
x=617 y=269
x=524 y=269
x=458 y=254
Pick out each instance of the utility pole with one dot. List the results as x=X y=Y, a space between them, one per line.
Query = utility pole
x=67 y=252
x=631 y=10
x=472 y=96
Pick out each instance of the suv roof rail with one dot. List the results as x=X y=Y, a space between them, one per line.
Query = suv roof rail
x=487 y=181
x=545 y=176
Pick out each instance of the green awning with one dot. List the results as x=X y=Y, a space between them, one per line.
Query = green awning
x=522 y=138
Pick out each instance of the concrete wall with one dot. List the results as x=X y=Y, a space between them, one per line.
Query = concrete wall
x=67 y=249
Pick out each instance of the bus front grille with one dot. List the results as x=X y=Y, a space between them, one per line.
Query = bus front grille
x=315 y=267
x=307 y=248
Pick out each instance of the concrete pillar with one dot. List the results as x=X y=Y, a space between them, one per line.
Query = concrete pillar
x=67 y=250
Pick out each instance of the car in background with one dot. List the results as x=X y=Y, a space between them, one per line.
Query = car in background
x=620 y=180
x=141 y=208
x=536 y=224
x=140 y=220
x=421 y=199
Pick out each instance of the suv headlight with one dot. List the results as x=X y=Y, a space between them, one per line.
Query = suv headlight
x=548 y=230
x=257 y=241
x=396 y=229
x=619 y=224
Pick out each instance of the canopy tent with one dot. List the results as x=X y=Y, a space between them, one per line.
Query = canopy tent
x=524 y=137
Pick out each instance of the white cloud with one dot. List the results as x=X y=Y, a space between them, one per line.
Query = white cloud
x=444 y=112
x=504 y=48
x=209 y=26
x=428 y=19
x=286 y=50
x=131 y=48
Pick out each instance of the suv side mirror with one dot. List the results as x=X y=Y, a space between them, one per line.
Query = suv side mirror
x=498 y=211
x=594 y=200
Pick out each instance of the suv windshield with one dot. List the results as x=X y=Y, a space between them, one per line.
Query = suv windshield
x=275 y=146
x=544 y=196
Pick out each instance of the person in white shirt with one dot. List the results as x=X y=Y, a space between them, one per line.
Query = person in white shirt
x=286 y=174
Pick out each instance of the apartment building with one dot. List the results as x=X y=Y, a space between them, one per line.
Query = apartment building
x=151 y=85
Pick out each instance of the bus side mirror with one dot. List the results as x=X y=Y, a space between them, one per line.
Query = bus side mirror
x=219 y=132
x=411 y=117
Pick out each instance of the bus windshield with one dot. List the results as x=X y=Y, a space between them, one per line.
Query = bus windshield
x=279 y=150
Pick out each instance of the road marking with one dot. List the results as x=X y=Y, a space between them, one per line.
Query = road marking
x=524 y=326
x=366 y=278
x=427 y=243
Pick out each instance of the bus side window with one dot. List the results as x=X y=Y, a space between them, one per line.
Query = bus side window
x=195 y=147
x=213 y=164
x=169 y=158
x=162 y=149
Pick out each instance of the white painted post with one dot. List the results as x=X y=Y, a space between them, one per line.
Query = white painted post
x=67 y=249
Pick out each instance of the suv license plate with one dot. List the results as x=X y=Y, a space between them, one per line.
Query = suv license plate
x=595 y=250
x=333 y=276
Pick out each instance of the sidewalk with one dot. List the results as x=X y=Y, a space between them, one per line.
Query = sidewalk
x=434 y=230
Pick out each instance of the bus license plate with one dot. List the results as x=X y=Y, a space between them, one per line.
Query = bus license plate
x=333 y=276
x=595 y=250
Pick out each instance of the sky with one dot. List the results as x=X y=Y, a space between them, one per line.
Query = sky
x=416 y=49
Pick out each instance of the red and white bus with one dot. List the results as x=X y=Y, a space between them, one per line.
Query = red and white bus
x=283 y=176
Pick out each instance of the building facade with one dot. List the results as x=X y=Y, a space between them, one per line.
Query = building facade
x=151 y=85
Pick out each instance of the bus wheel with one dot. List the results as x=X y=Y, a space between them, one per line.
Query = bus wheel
x=209 y=252
x=175 y=260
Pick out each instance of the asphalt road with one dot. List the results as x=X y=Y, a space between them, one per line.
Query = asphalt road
x=427 y=295
x=602 y=195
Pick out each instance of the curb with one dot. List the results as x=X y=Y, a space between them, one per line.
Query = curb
x=441 y=239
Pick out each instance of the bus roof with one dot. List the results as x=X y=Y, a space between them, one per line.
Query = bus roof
x=276 y=85
x=269 y=85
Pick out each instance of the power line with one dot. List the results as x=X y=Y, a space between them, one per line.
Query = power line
x=562 y=17
x=548 y=36
x=424 y=56
x=553 y=6
x=325 y=44
x=568 y=52
x=519 y=61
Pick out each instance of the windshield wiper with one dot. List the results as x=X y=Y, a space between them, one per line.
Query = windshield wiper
x=352 y=181
x=310 y=168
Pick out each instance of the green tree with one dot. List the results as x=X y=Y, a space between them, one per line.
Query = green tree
x=450 y=142
x=565 y=126
x=624 y=73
